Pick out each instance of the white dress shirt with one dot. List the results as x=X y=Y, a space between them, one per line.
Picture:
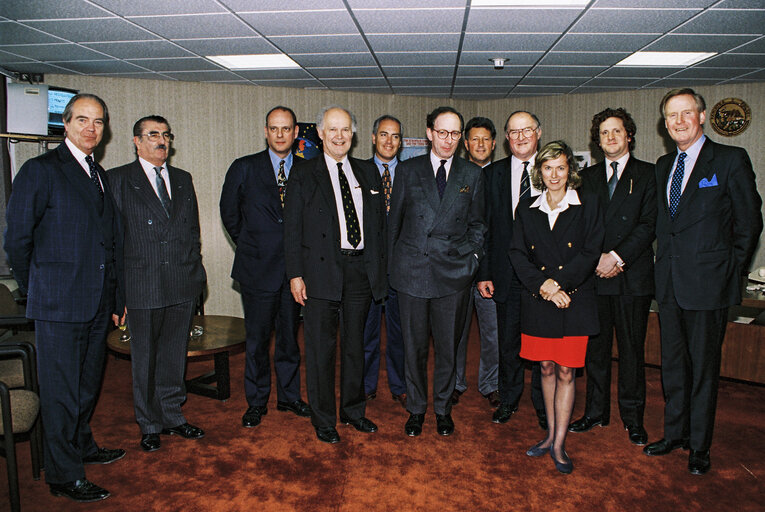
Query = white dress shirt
x=358 y=199
x=516 y=173
x=570 y=198
x=151 y=174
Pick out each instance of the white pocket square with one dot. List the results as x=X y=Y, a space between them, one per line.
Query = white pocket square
x=374 y=191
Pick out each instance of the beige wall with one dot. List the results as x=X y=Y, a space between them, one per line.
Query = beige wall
x=216 y=123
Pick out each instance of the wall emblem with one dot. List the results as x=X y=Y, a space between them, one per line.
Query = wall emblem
x=730 y=117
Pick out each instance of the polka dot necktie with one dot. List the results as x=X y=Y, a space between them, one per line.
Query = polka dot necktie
x=94 y=178
x=349 y=209
x=675 y=190
x=281 y=181
x=613 y=180
x=441 y=179
x=387 y=185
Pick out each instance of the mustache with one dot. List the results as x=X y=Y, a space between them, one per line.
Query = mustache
x=160 y=146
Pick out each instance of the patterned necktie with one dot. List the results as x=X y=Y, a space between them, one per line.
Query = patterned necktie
x=525 y=183
x=613 y=180
x=441 y=179
x=164 y=197
x=675 y=190
x=387 y=186
x=349 y=209
x=281 y=181
x=94 y=178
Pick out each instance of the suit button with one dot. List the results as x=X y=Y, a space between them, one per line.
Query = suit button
x=542 y=267
x=560 y=267
x=569 y=244
x=280 y=221
x=618 y=236
x=101 y=266
x=150 y=221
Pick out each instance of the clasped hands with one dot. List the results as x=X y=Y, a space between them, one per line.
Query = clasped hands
x=551 y=290
x=608 y=266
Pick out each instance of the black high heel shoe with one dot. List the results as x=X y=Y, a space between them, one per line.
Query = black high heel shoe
x=564 y=467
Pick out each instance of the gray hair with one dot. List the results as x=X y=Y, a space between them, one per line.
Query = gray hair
x=320 y=117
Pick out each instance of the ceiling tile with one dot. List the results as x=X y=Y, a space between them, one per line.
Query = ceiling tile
x=413 y=42
x=631 y=21
x=33 y=67
x=146 y=75
x=279 y=5
x=624 y=83
x=524 y=90
x=506 y=81
x=415 y=58
x=354 y=82
x=333 y=59
x=109 y=29
x=582 y=59
x=717 y=73
x=422 y=91
x=735 y=60
x=485 y=58
x=584 y=71
x=597 y=42
x=194 y=25
x=547 y=81
x=46 y=9
x=320 y=43
x=176 y=64
x=308 y=23
x=100 y=66
x=409 y=71
x=289 y=82
x=421 y=81
x=757 y=46
x=639 y=72
x=53 y=52
x=740 y=4
x=359 y=5
x=259 y=74
x=714 y=21
x=697 y=43
x=678 y=4
x=508 y=42
x=227 y=46
x=153 y=8
x=520 y=20
x=133 y=49
x=407 y=21
x=351 y=72
x=683 y=82
x=202 y=76
x=13 y=33
x=484 y=70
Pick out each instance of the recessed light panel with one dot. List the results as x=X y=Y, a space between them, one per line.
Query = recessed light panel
x=664 y=59
x=267 y=61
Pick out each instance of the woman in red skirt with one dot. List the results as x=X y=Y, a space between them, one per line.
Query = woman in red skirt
x=557 y=239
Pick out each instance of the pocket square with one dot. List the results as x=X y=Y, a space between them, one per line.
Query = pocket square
x=373 y=191
x=465 y=189
x=708 y=183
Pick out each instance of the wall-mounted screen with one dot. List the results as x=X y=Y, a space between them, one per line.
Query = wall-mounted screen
x=57 y=100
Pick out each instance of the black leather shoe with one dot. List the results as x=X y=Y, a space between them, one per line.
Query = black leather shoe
x=104 y=456
x=80 y=490
x=327 y=434
x=150 y=442
x=493 y=398
x=444 y=424
x=413 y=425
x=253 y=416
x=504 y=412
x=456 y=394
x=371 y=395
x=185 y=430
x=663 y=446
x=400 y=399
x=362 y=424
x=542 y=419
x=637 y=434
x=585 y=423
x=698 y=462
x=299 y=407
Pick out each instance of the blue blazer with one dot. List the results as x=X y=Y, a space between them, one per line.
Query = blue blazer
x=56 y=241
x=254 y=219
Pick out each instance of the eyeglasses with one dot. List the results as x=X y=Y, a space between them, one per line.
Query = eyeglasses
x=527 y=132
x=442 y=134
x=155 y=136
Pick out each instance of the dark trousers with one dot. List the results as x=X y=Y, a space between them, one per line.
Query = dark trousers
x=320 y=321
x=444 y=317
x=511 y=365
x=262 y=312
x=628 y=316
x=691 y=344
x=394 y=345
x=70 y=362
x=158 y=346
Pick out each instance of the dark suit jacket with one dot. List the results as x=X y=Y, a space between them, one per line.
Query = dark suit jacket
x=312 y=229
x=434 y=243
x=708 y=245
x=254 y=219
x=495 y=265
x=568 y=254
x=56 y=241
x=163 y=264
x=630 y=223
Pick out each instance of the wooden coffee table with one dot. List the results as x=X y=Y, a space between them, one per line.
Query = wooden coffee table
x=222 y=334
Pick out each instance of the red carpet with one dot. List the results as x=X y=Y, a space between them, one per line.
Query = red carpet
x=280 y=465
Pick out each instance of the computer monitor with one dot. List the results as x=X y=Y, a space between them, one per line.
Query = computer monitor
x=58 y=97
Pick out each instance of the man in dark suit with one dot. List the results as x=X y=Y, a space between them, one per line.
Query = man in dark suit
x=62 y=244
x=626 y=188
x=709 y=222
x=386 y=137
x=164 y=277
x=251 y=206
x=435 y=230
x=507 y=182
x=480 y=135
x=334 y=224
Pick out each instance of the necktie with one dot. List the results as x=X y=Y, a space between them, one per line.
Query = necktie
x=677 y=183
x=164 y=197
x=613 y=180
x=387 y=186
x=525 y=190
x=349 y=209
x=281 y=181
x=94 y=178
x=441 y=179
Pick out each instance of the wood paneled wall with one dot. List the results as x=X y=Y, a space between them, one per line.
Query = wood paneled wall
x=216 y=123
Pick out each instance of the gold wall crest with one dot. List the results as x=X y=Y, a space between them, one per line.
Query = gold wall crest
x=730 y=117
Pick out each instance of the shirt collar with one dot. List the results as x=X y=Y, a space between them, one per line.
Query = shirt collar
x=332 y=163
x=435 y=161
x=571 y=198
x=695 y=149
x=275 y=159
x=76 y=152
x=148 y=167
x=621 y=161
x=393 y=162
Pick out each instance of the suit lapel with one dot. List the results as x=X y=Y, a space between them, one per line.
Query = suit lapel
x=266 y=177
x=454 y=183
x=662 y=176
x=504 y=182
x=428 y=181
x=622 y=190
x=75 y=174
x=324 y=184
x=145 y=192
x=177 y=191
x=701 y=169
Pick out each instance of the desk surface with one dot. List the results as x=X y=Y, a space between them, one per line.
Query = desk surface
x=221 y=333
x=752 y=299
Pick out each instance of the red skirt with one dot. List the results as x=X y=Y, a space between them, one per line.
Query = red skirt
x=566 y=351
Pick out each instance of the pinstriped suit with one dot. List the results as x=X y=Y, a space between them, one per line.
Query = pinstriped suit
x=164 y=275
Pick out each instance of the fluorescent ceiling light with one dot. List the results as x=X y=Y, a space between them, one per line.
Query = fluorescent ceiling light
x=664 y=59
x=270 y=61
x=529 y=3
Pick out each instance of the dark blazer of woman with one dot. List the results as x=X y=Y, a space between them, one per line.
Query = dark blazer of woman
x=567 y=254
